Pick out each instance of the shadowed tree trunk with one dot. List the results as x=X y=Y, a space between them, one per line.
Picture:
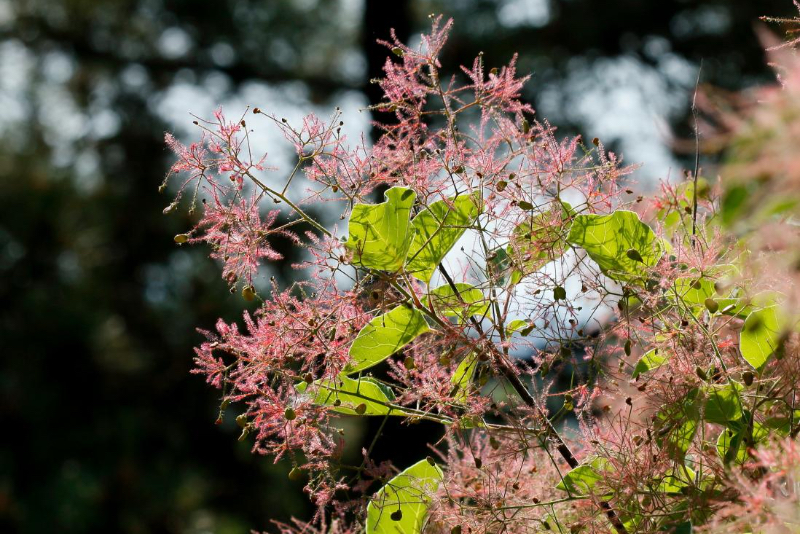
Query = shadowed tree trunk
x=379 y=19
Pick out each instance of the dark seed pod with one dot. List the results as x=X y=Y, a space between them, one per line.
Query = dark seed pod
x=361 y=409
x=456 y=530
x=248 y=293
x=711 y=305
x=701 y=374
x=747 y=378
x=501 y=186
x=525 y=205
x=296 y=474
x=241 y=421
x=634 y=255
x=181 y=238
x=478 y=463
x=559 y=293
x=397 y=515
x=409 y=364
x=627 y=347
x=290 y=414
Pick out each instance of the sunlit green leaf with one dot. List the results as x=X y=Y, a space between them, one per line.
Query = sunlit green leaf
x=385 y=335
x=467 y=302
x=503 y=268
x=732 y=444
x=350 y=393
x=380 y=234
x=676 y=425
x=515 y=325
x=462 y=378
x=540 y=239
x=401 y=505
x=437 y=229
x=611 y=240
x=650 y=360
x=679 y=477
x=733 y=202
x=582 y=479
x=723 y=403
x=760 y=335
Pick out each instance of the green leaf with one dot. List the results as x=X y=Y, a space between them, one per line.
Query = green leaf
x=462 y=378
x=723 y=403
x=732 y=444
x=679 y=477
x=385 y=335
x=760 y=335
x=437 y=229
x=671 y=222
x=468 y=302
x=410 y=494
x=581 y=480
x=694 y=291
x=515 y=325
x=733 y=202
x=351 y=393
x=503 y=267
x=380 y=234
x=650 y=360
x=538 y=240
x=676 y=425
x=611 y=240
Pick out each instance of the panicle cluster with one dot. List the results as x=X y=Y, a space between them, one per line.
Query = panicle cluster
x=632 y=409
x=239 y=236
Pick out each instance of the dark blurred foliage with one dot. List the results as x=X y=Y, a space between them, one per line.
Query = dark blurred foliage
x=105 y=429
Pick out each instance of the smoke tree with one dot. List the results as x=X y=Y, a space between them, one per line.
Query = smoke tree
x=503 y=272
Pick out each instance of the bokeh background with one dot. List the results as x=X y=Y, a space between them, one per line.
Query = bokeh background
x=104 y=429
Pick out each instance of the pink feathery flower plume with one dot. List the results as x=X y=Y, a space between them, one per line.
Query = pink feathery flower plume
x=239 y=236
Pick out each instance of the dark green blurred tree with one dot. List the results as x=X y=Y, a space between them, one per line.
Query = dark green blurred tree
x=106 y=431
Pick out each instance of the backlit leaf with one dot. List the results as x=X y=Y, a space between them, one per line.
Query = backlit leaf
x=385 y=335
x=467 y=302
x=351 y=392
x=723 y=403
x=609 y=240
x=410 y=494
x=582 y=479
x=437 y=229
x=462 y=378
x=380 y=234
x=650 y=360
x=760 y=335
